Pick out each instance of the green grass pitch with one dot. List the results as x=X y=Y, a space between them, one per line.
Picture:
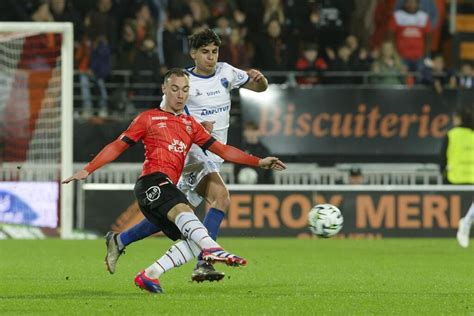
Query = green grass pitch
x=283 y=277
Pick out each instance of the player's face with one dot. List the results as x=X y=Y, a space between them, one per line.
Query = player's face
x=205 y=58
x=176 y=90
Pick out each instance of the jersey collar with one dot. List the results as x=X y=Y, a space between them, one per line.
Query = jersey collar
x=190 y=70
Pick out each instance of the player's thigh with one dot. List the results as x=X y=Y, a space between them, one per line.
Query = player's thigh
x=212 y=187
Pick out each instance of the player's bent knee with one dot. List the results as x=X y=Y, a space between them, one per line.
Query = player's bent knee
x=222 y=203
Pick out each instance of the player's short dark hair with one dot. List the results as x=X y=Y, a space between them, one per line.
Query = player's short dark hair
x=178 y=72
x=204 y=38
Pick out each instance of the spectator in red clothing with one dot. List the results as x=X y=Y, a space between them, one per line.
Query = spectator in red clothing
x=410 y=27
x=309 y=61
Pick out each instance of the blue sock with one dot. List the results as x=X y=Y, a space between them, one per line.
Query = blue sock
x=212 y=222
x=141 y=230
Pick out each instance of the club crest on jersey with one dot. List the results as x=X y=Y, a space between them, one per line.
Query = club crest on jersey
x=224 y=82
x=239 y=75
x=189 y=129
x=153 y=193
x=177 y=146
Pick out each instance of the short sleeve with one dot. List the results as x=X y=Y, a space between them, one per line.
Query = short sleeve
x=201 y=137
x=239 y=77
x=135 y=131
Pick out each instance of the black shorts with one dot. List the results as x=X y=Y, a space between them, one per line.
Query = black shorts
x=156 y=196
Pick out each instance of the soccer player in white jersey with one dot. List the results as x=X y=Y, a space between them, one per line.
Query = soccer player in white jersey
x=209 y=102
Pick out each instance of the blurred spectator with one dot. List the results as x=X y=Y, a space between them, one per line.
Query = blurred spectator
x=388 y=67
x=143 y=27
x=411 y=29
x=63 y=11
x=42 y=13
x=101 y=22
x=340 y=63
x=310 y=26
x=334 y=20
x=309 y=61
x=360 y=58
x=356 y=177
x=437 y=76
x=382 y=15
x=252 y=144
x=457 y=152
x=143 y=57
x=223 y=28
x=428 y=6
x=94 y=59
x=273 y=10
x=465 y=77
x=221 y=7
x=272 y=51
x=199 y=11
x=174 y=48
x=236 y=52
x=362 y=24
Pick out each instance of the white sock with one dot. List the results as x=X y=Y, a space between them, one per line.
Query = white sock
x=192 y=229
x=469 y=218
x=177 y=255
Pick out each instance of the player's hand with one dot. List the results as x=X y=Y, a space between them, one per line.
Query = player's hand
x=271 y=163
x=80 y=175
x=255 y=75
x=208 y=125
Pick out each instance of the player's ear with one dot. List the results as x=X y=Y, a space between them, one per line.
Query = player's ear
x=163 y=88
x=192 y=53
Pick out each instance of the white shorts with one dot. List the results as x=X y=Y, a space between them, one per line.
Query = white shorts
x=197 y=166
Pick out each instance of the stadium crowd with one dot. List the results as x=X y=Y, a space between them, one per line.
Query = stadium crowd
x=332 y=41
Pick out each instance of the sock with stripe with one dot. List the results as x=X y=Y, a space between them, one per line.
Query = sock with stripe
x=192 y=229
x=212 y=221
x=177 y=255
x=141 y=230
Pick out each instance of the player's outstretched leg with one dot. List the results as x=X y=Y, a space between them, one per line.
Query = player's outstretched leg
x=114 y=251
x=116 y=243
x=148 y=284
x=193 y=229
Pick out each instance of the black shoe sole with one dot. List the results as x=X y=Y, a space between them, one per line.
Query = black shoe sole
x=211 y=277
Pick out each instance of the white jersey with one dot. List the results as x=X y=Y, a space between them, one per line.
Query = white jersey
x=209 y=99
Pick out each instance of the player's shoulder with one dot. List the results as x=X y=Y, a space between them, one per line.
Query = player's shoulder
x=149 y=114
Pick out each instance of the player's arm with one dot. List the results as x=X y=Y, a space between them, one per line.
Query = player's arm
x=234 y=155
x=257 y=81
x=108 y=154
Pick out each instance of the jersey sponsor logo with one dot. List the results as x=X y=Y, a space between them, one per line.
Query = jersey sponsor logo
x=211 y=93
x=161 y=125
x=177 y=146
x=222 y=109
x=153 y=193
x=225 y=82
x=187 y=122
x=154 y=118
